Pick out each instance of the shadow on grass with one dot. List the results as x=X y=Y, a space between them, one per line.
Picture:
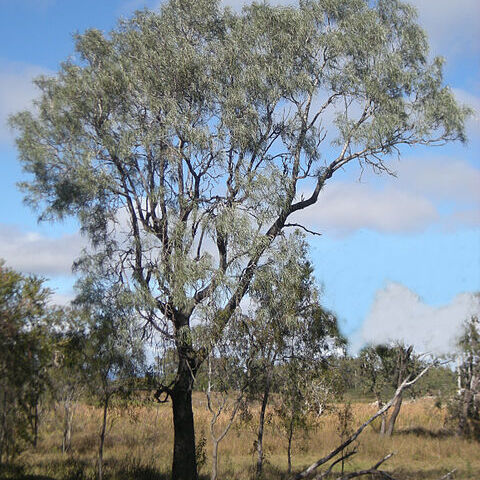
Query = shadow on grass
x=433 y=474
x=16 y=472
x=28 y=477
x=424 y=432
x=74 y=469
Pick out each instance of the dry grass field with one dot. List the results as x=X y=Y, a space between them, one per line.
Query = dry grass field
x=139 y=445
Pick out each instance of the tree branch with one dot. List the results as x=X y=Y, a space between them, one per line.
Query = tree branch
x=371 y=471
x=298 y=225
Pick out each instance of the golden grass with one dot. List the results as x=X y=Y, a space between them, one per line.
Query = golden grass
x=140 y=440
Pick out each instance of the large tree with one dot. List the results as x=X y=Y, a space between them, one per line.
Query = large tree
x=185 y=140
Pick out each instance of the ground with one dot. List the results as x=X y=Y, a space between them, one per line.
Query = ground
x=139 y=445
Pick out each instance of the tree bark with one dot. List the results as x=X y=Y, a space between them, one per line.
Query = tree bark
x=393 y=417
x=403 y=359
x=67 y=427
x=466 y=402
x=35 y=424
x=184 y=465
x=266 y=393
x=102 y=437
x=289 y=448
x=382 y=425
x=383 y=417
x=214 y=460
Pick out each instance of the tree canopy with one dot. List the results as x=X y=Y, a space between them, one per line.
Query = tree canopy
x=185 y=139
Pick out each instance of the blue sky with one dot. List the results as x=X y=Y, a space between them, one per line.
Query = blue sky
x=393 y=251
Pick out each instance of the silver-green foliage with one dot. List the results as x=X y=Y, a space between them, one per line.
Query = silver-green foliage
x=183 y=139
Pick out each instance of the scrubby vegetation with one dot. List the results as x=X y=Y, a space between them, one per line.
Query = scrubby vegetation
x=140 y=438
x=82 y=395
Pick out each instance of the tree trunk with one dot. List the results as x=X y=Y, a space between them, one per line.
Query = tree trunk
x=465 y=406
x=102 y=437
x=393 y=417
x=383 y=417
x=382 y=425
x=184 y=460
x=289 y=449
x=67 y=426
x=35 y=424
x=261 y=424
x=214 y=459
x=403 y=359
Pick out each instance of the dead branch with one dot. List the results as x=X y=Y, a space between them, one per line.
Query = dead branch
x=338 y=460
x=371 y=471
x=298 y=225
x=405 y=384
x=448 y=475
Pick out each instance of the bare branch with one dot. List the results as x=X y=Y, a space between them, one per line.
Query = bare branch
x=338 y=460
x=371 y=471
x=448 y=475
x=298 y=225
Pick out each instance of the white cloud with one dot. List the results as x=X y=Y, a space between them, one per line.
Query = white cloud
x=16 y=91
x=30 y=252
x=398 y=314
x=452 y=26
x=428 y=191
x=442 y=178
x=345 y=207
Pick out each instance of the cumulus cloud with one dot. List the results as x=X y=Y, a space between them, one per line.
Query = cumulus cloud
x=30 y=252
x=398 y=314
x=452 y=26
x=16 y=91
x=442 y=178
x=428 y=191
x=345 y=207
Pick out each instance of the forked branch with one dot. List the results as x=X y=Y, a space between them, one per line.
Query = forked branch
x=371 y=471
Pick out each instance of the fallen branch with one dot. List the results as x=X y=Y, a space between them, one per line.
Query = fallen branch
x=338 y=460
x=448 y=475
x=371 y=471
x=405 y=384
